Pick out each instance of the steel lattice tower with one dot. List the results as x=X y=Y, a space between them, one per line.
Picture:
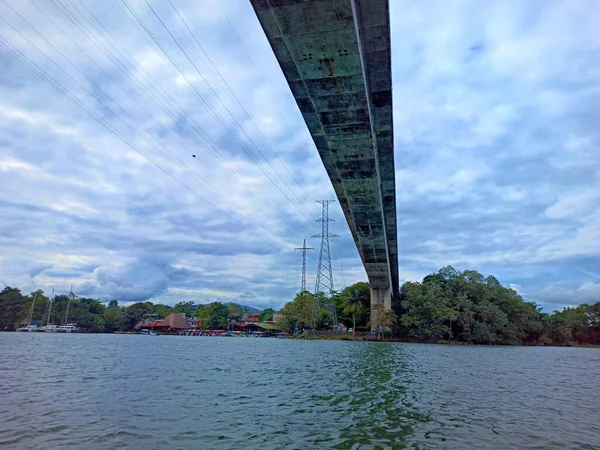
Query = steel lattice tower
x=324 y=282
x=304 y=249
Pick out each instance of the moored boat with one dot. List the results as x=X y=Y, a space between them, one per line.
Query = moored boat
x=49 y=328
x=67 y=328
x=29 y=328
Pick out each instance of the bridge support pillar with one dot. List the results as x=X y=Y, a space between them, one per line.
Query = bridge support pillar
x=381 y=302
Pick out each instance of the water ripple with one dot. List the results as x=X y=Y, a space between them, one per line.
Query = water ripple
x=122 y=391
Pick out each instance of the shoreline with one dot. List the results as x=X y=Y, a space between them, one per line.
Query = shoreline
x=440 y=342
x=341 y=337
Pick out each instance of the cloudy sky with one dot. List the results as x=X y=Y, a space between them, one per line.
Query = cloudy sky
x=103 y=104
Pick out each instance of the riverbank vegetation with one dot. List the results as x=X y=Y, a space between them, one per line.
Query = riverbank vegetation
x=446 y=306
x=458 y=307
x=97 y=317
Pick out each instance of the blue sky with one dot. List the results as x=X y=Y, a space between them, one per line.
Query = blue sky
x=496 y=128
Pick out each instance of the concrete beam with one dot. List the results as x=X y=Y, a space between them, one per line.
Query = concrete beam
x=381 y=302
x=336 y=57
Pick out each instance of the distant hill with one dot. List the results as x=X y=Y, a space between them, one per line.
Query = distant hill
x=250 y=309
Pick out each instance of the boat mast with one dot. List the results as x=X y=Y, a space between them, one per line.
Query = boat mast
x=45 y=312
x=30 y=316
x=68 y=305
x=50 y=311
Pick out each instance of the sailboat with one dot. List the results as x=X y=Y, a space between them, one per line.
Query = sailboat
x=30 y=327
x=49 y=328
x=68 y=327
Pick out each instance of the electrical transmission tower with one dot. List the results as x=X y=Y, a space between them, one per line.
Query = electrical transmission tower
x=304 y=249
x=324 y=281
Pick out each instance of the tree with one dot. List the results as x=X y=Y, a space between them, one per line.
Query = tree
x=465 y=318
x=203 y=312
x=217 y=317
x=213 y=316
x=88 y=313
x=423 y=310
x=300 y=310
x=111 y=319
x=59 y=308
x=188 y=308
x=450 y=313
x=133 y=314
x=235 y=311
x=469 y=307
x=290 y=324
x=466 y=306
x=354 y=304
x=266 y=315
x=13 y=306
x=162 y=311
x=361 y=292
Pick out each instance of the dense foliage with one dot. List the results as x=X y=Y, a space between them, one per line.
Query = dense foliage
x=454 y=306
x=15 y=307
x=94 y=316
x=446 y=306
x=468 y=307
x=352 y=308
x=266 y=315
x=216 y=315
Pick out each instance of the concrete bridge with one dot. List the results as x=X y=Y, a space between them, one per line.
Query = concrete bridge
x=335 y=55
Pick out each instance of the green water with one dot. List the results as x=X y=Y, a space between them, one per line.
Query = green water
x=125 y=391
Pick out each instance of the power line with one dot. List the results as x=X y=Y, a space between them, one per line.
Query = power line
x=205 y=182
x=108 y=97
x=95 y=85
x=219 y=98
x=198 y=93
x=178 y=69
x=198 y=177
x=258 y=73
x=65 y=92
x=60 y=88
x=79 y=25
x=235 y=96
x=81 y=105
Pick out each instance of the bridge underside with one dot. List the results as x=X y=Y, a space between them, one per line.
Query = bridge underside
x=335 y=55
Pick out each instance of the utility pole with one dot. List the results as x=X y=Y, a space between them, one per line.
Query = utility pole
x=324 y=282
x=303 y=249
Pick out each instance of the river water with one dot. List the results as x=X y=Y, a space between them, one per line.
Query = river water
x=163 y=392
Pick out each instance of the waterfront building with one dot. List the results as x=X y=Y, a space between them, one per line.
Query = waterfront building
x=173 y=323
x=250 y=318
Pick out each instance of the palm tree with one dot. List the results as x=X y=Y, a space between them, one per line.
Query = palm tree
x=353 y=304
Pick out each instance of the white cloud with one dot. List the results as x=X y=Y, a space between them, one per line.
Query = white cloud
x=561 y=296
x=575 y=204
x=496 y=150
